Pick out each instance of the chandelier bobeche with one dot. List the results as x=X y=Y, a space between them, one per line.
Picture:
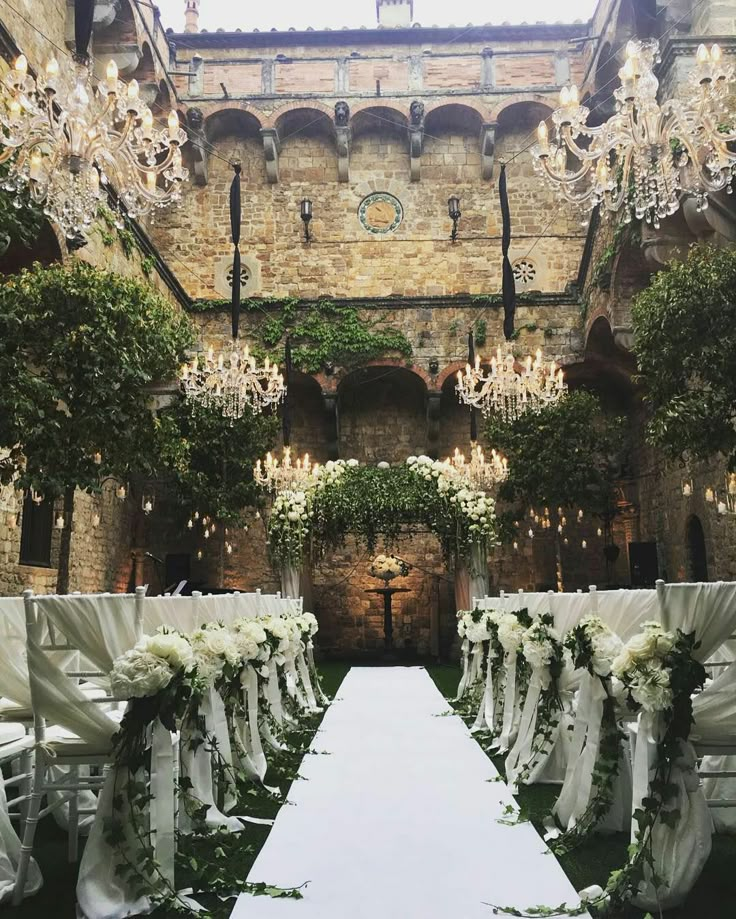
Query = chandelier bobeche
x=285 y=475
x=646 y=155
x=67 y=140
x=482 y=473
x=233 y=383
x=508 y=391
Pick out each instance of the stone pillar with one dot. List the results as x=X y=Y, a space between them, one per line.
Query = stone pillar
x=191 y=16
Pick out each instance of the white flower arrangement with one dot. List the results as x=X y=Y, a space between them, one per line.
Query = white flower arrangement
x=214 y=648
x=540 y=645
x=474 y=509
x=149 y=667
x=640 y=667
x=510 y=632
x=388 y=567
x=476 y=625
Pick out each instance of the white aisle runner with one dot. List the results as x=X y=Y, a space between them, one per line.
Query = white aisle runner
x=400 y=821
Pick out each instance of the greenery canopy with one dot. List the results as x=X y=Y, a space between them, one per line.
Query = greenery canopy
x=685 y=343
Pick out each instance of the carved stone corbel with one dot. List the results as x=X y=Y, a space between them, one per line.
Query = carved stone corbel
x=199 y=145
x=416 y=138
x=487 y=149
x=343 y=134
x=271 y=150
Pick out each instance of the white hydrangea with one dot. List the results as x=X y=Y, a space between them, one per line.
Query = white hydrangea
x=510 y=632
x=138 y=674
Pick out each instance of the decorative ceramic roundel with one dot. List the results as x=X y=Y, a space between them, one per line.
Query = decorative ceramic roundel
x=380 y=213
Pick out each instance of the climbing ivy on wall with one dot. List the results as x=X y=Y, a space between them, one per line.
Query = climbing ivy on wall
x=625 y=234
x=323 y=334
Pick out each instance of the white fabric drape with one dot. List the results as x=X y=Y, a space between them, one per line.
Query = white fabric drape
x=681 y=851
x=102 y=627
x=9 y=855
x=291 y=581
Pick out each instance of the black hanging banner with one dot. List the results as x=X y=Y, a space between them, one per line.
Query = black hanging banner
x=235 y=232
x=509 y=284
x=84 y=11
x=471 y=361
x=286 y=415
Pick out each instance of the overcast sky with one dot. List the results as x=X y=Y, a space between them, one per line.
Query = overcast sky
x=281 y=14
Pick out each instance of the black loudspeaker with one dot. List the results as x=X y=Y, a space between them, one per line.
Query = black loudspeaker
x=643 y=564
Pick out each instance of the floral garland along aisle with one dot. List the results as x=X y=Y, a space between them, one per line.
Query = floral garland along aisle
x=166 y=679
x=654 y=673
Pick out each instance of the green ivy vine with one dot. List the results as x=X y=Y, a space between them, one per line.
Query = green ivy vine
x=323 y=334
x=623 y=234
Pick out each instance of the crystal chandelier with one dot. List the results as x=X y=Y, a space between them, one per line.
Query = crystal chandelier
x=646 y=155
x=284 y=475
x=509 y=391
x=233 y=383
x=67 y=140
x=483 y=474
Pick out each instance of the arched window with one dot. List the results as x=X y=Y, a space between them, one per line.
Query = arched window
x=697 y=560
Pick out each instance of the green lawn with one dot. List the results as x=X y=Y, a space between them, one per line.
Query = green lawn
x=713 y=897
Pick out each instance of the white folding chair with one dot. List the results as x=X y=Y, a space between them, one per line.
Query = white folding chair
x=81 y=735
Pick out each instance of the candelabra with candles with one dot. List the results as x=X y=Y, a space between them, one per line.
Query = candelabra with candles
x=233 y=382
x=484 y=474
x=509 y=391
x=285 y=475
x=647 y=154
x=68 y=139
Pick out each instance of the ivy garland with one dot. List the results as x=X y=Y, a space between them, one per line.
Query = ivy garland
x=541 y=642
x=686 y=677
x=373 y=501
x=323 y=334
x=606 y=769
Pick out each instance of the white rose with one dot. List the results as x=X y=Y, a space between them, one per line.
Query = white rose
x=171 y=647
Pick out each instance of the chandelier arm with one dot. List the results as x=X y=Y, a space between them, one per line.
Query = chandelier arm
x=582 y=154
x=569 y=178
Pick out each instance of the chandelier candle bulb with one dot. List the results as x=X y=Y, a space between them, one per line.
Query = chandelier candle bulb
x=36 y=168
x=147 y=124
x=173 y=126
x=111 y=78
x=59 y=524
x=710 y=495
x=21 y=64
x=722 y=508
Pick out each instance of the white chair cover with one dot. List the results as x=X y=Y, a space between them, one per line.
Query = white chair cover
x=9 y=855
x=101 y=626
x=13 y=666
x=680 y=852
x=624 y=611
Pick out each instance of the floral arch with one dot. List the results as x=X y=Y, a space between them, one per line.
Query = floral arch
x=345 y=497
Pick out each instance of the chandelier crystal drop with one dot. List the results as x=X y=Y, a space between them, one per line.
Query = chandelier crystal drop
x=286 y=475
x=483 y=473
x=67 y=139
x=233 y=383
x=647 y=155
x=510 y=392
